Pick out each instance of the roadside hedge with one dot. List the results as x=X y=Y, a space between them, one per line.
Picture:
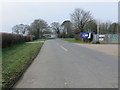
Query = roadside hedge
x=9 y=39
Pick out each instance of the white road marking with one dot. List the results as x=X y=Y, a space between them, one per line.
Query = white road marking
x=64 y=48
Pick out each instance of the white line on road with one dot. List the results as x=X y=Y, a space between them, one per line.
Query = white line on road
x=64 y=48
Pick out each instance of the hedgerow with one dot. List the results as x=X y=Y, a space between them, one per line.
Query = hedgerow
x=9 y=39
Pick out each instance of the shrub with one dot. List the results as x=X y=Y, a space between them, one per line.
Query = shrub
x=96 y=42
x=9 y=39
x=77 y=37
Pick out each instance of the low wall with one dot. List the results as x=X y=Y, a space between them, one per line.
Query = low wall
x=108 y=38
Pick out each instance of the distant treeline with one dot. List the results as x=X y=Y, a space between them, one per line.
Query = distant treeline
x=81 y=21
x=9 y=39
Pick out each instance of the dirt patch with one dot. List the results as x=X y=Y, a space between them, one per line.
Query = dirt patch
x=110 y=49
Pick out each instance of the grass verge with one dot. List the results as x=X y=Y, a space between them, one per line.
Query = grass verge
x=47 y=39
x=15 y=59
x=72 y=40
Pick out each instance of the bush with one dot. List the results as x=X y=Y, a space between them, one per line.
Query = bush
x=71 y=36
x=96 y=42
x=77 y=37
x=9 y=39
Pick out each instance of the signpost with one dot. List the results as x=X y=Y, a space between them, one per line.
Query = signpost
x=84 y=35
x=101 y=38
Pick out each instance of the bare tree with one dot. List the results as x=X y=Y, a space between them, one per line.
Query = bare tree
x=113 y=29
x=20 y=29
x=105 y=28
x=47 y=30
x=91 y=26
x=56 y=27
x=38 y=27
x=15 y=29
x=79 y=19
x=67 y=28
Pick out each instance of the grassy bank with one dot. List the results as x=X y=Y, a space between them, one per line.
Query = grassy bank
x=72 y=40
x=15 y=58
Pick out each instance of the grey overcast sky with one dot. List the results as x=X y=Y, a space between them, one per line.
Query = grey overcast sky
x=14 y=13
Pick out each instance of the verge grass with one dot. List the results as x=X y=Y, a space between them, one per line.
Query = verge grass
x=72 y=40
x=15 y=58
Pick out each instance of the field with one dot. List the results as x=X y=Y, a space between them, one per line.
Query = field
x=15 y=58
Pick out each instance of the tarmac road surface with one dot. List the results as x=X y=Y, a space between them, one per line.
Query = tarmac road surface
x=61 y=64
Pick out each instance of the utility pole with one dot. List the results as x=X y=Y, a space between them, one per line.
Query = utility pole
x=98 y=27
x=98 y=30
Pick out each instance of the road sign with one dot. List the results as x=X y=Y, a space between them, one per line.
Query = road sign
x=89 y=35
x=101 y=38
x=84 y=35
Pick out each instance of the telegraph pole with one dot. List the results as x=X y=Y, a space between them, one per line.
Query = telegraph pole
x=98 y=27
x=98 y=30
